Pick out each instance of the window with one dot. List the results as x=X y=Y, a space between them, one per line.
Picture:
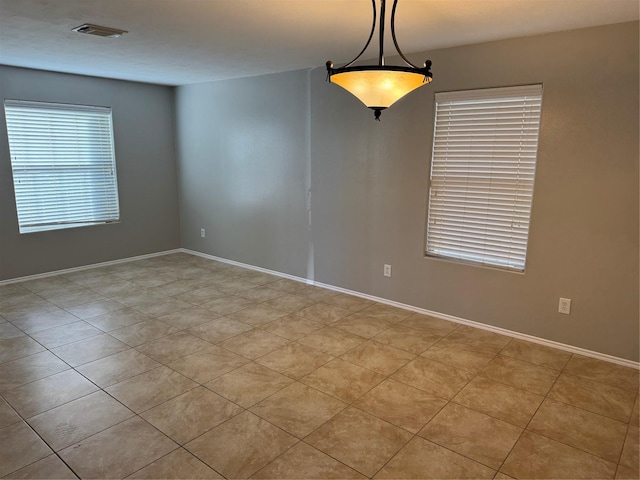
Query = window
x=63 y=163
x=482 y=172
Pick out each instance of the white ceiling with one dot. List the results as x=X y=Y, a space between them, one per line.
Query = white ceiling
x=176 y=42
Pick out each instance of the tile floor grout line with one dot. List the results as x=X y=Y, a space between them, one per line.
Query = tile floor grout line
x=415 y=435
x=347 y=405
x=326 y=453
x=244 y=410
x=624 y=442
x=331 y=456
x=588 y=379
x=584 y=410
x=524 y=429
x=37 y=379
x=53 y=451
x=68 y=466
x=56 y=406
x=240 y=406
x=202 y=459
x=299 y=441
x=100 y=389
x=448 y=401
x=451 y=401
x=179 y=446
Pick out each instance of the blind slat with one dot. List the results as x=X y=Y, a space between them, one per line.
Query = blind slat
x=63 y=164
x=482 y=175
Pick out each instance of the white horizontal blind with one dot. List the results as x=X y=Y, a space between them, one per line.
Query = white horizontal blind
x=63 y=163
x=482 y=174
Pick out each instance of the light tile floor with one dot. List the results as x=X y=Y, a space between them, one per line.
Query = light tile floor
x=182 y=367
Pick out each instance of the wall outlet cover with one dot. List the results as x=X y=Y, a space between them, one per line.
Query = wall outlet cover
x=564 y=306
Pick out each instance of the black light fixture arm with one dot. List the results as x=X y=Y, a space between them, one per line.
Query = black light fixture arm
x=380 y=86
x=373 y=29
x=427 y=64
x=395 y=41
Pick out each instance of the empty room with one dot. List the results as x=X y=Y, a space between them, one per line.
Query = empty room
x=319 y=239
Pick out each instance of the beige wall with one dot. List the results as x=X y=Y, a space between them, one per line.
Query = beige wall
x=369 y=185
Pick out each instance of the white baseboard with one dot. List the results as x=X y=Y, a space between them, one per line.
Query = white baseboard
x=491 y=328
x=88 y=267
x=247 y=266
x=444 y=316
x=502 y=331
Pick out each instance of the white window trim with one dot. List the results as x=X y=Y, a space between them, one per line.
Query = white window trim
x=482 y=179
x=63 y=166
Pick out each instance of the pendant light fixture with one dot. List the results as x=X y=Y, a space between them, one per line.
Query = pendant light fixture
x=380 y=86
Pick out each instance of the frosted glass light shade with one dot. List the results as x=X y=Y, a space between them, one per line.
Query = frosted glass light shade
x=379 y=88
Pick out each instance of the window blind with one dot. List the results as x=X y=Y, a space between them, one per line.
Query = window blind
x=63 y=164
x=482 y=175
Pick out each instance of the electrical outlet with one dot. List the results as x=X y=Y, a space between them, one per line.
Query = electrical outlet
x=387 y=270
x=202 y=233
x=564 y=306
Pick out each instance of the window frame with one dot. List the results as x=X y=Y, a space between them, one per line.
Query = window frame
x=63 y=165
x=532 y=94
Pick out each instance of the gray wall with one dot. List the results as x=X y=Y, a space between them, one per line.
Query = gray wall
x=369 y=184
x=143 y=122
x=243 y=176
x=243 y=168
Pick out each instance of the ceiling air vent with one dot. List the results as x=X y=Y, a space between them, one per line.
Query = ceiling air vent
x=91 y=29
